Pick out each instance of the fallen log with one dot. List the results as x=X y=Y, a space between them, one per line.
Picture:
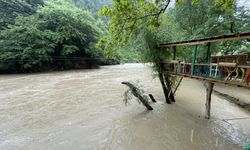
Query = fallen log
x=138 y=94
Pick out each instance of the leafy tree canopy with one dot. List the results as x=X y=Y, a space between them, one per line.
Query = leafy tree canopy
x=92 y=5
x=9 y=9
x=205 y=19
x=56 y=35
x=130 y=17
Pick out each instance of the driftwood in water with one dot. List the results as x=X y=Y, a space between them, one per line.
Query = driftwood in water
x=138 y=94
x=152 y=98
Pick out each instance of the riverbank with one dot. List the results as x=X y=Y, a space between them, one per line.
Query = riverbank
x=237 y=95
x=83 y=109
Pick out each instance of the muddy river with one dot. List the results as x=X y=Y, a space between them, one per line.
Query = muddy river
x=84 y=109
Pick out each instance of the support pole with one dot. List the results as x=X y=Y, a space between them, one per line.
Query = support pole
x=208 y=59
x=194 y=59
x=210 y=87
x=208 y=53
x=174 y=57
x=179 y=83
x=152 y=98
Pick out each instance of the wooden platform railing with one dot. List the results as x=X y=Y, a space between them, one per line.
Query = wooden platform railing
x=229 y=73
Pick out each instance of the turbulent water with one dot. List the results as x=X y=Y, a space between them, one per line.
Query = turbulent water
x=84 y=109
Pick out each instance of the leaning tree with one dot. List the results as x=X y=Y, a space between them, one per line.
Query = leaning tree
x=140 y=20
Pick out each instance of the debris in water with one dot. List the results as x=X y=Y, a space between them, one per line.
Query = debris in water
x=192 y=135
x=152 y=98
x=138 y=93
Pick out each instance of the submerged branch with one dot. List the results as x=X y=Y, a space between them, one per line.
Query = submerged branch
x=152 y=98
x=138 y=94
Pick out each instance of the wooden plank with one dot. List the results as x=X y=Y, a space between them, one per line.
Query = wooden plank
x=238 y=84
x=174 y=61
x=228 y=64
x=209 y=89
x=230 y=37
x=246 y=67
x=179 y=83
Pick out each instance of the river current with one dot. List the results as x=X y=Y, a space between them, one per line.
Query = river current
x=84 y=109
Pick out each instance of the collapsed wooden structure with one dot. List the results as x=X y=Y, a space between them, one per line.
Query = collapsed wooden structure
x=232 y=70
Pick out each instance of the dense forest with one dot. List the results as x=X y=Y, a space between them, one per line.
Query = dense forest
x=188 y=19
x=50 y=35
x=42 y=35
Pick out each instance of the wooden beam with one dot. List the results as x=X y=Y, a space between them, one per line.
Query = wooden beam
x=208 y=53
x=179 y=83
x=210 y=86
x=174 y=57
x=230 y=37
x=194 y=59
x=237 y=84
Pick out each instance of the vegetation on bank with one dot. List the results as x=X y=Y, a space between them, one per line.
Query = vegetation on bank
x=49 y=35
x=39 y=35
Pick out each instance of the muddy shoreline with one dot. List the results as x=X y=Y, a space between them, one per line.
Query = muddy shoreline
x=232 y=99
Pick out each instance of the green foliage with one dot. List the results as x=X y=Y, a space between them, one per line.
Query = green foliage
x=9 y=9
x=204 y=19
x=129 y=18
x=44 y=33
x=58 y=31
x=126 y=17
x=129 y=55
x=92 y=5
x=141 y=20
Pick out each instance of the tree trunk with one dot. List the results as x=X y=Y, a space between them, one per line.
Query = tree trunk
x=168 y=86
x=172 y=98
x=164 y=88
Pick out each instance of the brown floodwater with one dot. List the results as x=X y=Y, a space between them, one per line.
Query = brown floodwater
x=84 y=109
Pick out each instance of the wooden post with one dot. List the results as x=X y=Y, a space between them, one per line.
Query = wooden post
x=210 y=87
x=194 y=59
x=179 y=83
x=208 y=59
x=174 y=57
x=152 y=98
x=208 y=53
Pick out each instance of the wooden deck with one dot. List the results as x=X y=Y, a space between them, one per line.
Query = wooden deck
x=233 y=70
x=216 y=73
